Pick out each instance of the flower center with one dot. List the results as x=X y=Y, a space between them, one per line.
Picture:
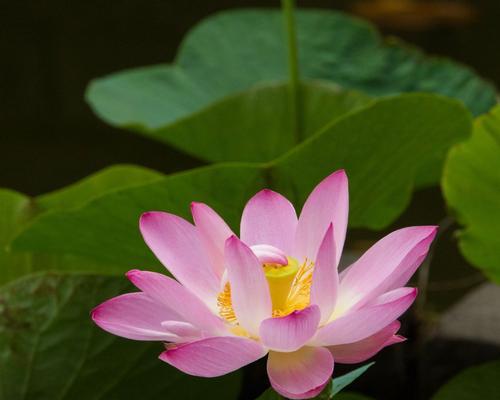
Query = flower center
x=280 y=279
x=289 y=286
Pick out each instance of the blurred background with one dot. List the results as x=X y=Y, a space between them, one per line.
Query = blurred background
x=50 y=137
x=51 y=49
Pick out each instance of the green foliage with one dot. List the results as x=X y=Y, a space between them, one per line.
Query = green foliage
x=50 y=349
x=104 y=181
x=108 y=226
x=382 y=147
x=256 y=125
x=471 y=184
x=479 y=382
x=17 y=211
x=14 y=208
x=338 y=384
x=232 y=51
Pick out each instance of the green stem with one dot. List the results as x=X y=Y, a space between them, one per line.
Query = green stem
x=288 y=7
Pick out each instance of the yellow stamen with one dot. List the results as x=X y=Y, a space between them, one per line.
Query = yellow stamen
x=280 y=279
x=226 y=310
x=289 y=285
x=299 y=296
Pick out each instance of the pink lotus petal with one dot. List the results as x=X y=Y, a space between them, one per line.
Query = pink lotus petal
x=391 y=296
x=302 y=374
x=172 y=295
x=177 y=245
x=357 y=352
x=249 y=289
x=134 y=316
x=388 y=264
x=269 y=218
x=411 y=262
x=291 y=332
x=366 y=321
x=269 y=254
x=182 y=329
x=325 y=282
x=213 y=233
x=328 y=203
x=213 y=356
x=307 y=395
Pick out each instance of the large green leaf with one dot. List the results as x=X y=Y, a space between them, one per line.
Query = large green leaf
x=255 y=125
x=474 y=383
x=232 y=51
x=18 y=210
x=50 y=349
x=14 y=208
x=471 y=184
x=381 y=146
x=385 y=148
x=95 y=185
x=108 y=226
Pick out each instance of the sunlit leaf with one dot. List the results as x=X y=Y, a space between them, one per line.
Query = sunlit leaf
x=471 y=184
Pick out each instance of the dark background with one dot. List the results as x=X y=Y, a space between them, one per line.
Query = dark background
x=50 y=49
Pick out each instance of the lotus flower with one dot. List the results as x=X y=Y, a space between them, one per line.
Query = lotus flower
x=274 y=291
